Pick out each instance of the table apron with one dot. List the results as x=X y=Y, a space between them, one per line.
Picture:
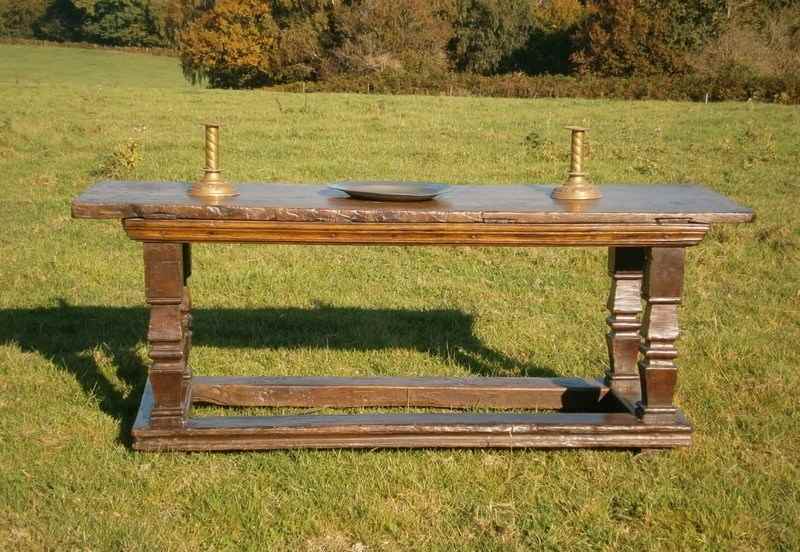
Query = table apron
x=467 y=234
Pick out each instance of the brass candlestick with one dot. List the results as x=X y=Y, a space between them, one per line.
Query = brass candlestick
x=212 y=185
x=577 y=186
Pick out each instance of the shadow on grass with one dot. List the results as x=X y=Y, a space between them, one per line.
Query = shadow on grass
x=69 y=336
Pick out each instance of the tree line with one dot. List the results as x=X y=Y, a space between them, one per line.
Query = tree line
x=251 y=43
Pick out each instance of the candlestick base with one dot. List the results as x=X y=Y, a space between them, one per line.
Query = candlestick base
x=577 y=187
x=212 y=186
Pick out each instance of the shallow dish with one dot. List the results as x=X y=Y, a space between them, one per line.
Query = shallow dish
x=390 y=191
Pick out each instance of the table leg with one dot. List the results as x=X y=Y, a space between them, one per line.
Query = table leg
x=186 y=320
x=165 y=280
x=626 y=267
x=663 y=284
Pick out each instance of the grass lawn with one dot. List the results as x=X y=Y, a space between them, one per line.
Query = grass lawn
x=72 y=321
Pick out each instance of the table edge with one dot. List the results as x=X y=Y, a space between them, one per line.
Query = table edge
x=82 y=209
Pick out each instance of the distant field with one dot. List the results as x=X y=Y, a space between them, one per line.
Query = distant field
x=72 y=321
x=54 y=66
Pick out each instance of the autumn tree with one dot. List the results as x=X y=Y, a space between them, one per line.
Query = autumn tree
x=626 y=37
x=247 y=43
x=487 y=33
x=18 y=17
x=550 y=42
x=403 y=36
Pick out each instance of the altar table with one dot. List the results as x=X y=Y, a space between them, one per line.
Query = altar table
x=646 y=229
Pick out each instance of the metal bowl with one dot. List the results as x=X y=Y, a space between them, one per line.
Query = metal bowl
x=390 y=191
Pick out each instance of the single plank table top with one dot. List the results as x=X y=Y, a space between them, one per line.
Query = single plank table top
x=512 y=204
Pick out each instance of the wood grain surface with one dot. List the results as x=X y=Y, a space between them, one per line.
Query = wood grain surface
x=661 y=291
x=558 y=430
x=461 y=203
x=424 y=233
x=626 y=268
x=344 y=392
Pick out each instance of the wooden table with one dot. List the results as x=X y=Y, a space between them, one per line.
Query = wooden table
x=646 y=229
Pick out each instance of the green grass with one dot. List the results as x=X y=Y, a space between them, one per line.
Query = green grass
x=72 y=321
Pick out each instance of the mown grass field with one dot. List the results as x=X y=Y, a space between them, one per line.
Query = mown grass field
x=72 y=322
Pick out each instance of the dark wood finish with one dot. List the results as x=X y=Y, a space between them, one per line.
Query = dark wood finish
x=573 y=430
x=186 y=320
x=166 y=335
x=526 y=204
x=663 y=285
x=646 y=227
x=500 y=393
x=366 y=233
x=626 y=268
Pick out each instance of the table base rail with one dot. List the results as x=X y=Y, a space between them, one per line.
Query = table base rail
x=419 y=392
x=606 y=424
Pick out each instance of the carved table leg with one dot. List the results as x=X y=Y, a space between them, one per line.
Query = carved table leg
x=663 y=284
x=625 y=266
x=164 y=282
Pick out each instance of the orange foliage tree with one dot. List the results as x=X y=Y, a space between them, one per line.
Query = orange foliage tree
x=245 y=43
x=644 y=37
x=400 y=36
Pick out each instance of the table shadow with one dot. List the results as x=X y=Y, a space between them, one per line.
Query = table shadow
x=100 y=344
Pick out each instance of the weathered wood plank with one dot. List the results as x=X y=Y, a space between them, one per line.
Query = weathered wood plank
x=514 y=235
x=626 y=268
x=523 y=204
x=342 y=392
x=581 y=430
x=663 y=286
x=167 y=332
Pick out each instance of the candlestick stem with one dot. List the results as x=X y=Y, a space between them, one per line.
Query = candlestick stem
x=578 y=186
x=212 y=145
x=212 y=186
